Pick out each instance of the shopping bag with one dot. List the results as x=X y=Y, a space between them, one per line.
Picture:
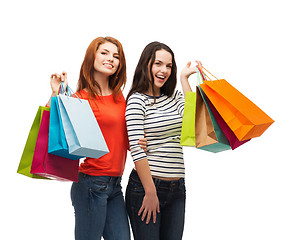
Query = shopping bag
x=83 y=134
x=57 y=143
x=208 y=134
x=188 y=121
x=47 y=165
x=233 y=140
x=243 y=117
x=28 y=153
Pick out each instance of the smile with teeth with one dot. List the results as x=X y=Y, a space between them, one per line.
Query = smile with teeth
x=161 y=77
x=108 y=65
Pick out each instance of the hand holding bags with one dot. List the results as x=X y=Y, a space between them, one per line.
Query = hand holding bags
x=87 y=140
x=57 y=143
x=201 y=129
x=225 y=116
x=243 y=117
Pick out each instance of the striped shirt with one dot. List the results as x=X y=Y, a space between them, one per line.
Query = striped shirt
x=161 y=122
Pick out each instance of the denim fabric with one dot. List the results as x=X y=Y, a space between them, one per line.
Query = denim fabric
x=170 y=221
x=99 y=208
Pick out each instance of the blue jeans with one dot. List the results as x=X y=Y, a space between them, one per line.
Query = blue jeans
x=170 y=221
x=99 y=208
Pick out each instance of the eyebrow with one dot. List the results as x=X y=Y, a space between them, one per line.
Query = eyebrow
x=163 y=62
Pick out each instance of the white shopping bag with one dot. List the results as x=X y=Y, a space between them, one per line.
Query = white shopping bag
x=83 y=134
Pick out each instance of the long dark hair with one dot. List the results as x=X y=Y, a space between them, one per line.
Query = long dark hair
x=86 y=78
x=141 y=81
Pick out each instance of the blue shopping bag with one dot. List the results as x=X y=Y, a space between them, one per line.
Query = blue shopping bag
x=57 y=144
x=82 y=132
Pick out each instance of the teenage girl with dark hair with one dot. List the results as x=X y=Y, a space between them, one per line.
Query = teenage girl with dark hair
x=155 y=195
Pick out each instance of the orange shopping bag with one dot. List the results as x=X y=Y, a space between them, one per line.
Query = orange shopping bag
x=244 y=118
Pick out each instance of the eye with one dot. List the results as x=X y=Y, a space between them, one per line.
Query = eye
x=115 y=56
x=169 y=66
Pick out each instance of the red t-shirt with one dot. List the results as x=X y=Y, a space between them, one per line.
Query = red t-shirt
x=111 y=119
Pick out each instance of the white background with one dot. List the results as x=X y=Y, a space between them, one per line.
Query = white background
x=231 y=195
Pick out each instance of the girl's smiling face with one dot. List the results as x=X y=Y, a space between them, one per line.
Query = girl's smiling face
x=107 y=59
x=161 y=69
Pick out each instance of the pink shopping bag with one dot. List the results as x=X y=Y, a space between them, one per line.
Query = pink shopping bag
x=48 y=165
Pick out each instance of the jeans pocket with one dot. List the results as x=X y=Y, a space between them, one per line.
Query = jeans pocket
x=136 y=187
x=98 y=184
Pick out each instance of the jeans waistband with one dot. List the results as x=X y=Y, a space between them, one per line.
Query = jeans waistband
x=108 y=179
x=158 y=182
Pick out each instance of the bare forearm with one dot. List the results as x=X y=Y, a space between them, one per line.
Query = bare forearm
x=185 y=84
x=143 y=170
x=184 y=75
x=49 y=101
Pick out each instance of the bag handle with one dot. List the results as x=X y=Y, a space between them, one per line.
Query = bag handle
x=62 y=91
x=204 y=75
x=199 y=76
x=68 y=92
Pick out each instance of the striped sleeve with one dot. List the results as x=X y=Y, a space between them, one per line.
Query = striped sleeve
x=178 y=96
x=134 y=115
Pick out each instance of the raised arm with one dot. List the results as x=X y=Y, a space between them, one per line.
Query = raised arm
x=184 y=75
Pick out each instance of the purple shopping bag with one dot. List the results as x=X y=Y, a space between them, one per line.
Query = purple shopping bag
x=48 y=165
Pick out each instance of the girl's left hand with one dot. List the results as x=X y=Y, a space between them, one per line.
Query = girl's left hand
x=143 y=144
x=188 y=70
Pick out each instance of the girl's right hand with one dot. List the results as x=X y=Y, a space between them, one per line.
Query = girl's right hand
x=55 y=81
x=150 y=207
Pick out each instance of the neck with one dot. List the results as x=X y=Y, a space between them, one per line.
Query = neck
x=150 y=92
x=103 y=81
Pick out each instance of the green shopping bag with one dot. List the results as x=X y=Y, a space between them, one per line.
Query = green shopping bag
x=188 y=121
x=28 y=153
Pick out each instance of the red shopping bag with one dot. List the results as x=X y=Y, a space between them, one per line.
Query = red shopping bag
x=48 y=165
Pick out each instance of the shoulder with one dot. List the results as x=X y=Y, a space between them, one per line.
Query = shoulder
x=178 y=95
x=138 y=95
x=136 y=102
x=138 y=98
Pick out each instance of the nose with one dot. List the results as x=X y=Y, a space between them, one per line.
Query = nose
x=164 y=69
x=110 y=58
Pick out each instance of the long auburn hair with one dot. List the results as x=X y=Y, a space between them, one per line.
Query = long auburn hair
x=86 y=77
x=141 y=81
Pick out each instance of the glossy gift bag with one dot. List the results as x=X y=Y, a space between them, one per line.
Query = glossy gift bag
x=48 y=165
x=28 y=153
x=83 y=134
